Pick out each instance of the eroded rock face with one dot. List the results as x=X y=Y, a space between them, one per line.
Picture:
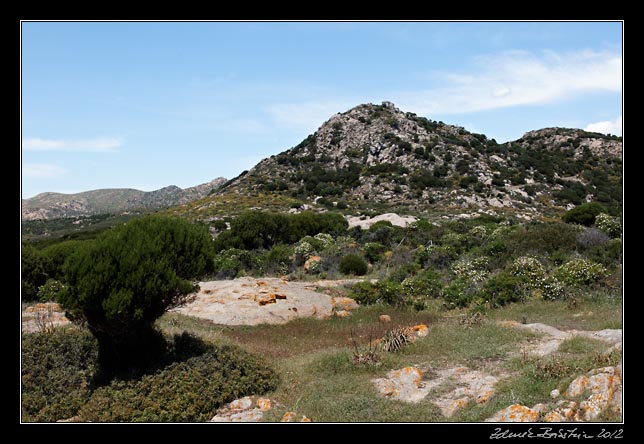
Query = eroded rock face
x=250 y=301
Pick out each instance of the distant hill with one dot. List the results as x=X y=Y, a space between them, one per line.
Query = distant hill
x=377 y=156
x=115 y=201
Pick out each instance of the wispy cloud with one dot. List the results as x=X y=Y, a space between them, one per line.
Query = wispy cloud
x=606 y=126
x=87 y=145
x=42 y=170
x=518 y=78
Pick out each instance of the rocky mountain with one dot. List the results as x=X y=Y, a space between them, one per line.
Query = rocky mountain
x=117 y=200
x=376 y=155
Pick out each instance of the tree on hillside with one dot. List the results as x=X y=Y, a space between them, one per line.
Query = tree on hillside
x=121 y=283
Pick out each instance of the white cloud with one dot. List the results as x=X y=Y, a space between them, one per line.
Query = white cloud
x=42 y=170
x=518 y=78
x=606 y=127
x=88 y=145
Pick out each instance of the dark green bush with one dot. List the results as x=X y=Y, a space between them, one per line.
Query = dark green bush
x=192 y=380
x=373 y=251
x=353 y=264
x=58 y=254
x=541 y=238
x=584 y=214
x=365 y=293
x=501 y=289
x=34 y=267
x=128 y=277
x=57 y=371
x=189 y=391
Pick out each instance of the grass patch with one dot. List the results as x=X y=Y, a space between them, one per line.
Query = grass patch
x=591 y=313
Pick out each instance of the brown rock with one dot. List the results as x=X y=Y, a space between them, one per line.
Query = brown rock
x=384 y=318
x=310 y=261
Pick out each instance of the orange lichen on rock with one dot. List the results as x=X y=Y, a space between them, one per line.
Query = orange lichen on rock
x=515 y=413
x=264 y=300
x=288 y=417
x=342 y=314
x=344 y=303
x=305 y=419
x=310 y=262
x=264 y=404
x=484 y=397
x=421 y=330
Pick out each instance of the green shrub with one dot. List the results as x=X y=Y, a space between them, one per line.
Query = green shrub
x=456 y=294
x=580 y=272
x=189 y=391
x=542 y=238
x=584 y=214
x=373 y=251
x=353 y=264
x=609 y=225
x=57 y=370
x=501 y=289
x=33 y=271
x=365 y=293
x=58 y=254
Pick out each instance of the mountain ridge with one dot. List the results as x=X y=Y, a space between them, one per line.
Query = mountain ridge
x=49 y=205
x=378 y=154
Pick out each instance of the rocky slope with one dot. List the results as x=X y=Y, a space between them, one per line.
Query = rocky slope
x=378 y=154
x=118 y=200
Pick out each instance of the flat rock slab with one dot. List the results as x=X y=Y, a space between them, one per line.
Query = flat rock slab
x=411 y=384
x=251 y=301
x=553 y=337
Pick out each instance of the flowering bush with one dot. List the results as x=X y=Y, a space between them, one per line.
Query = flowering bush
x=609 y=225
x=528 y=268
x=478 y=232
x=50 y=290
x=473 y=270
x=580 y=272
x=552 y=289
x=325 y=240
x=303 y=249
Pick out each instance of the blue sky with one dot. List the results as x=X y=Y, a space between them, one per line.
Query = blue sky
x=145 y=105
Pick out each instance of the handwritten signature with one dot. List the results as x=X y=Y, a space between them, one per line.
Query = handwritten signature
x=548 y=433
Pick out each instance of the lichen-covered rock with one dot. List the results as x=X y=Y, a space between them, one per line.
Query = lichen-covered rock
x=515 y=413
x=405 y=384
x=421 y=330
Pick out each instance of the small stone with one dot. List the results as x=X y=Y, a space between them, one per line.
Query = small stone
x=288 y=417
x=342 y=314
x=554 y=394
x=305 y=419
x=384 y=318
